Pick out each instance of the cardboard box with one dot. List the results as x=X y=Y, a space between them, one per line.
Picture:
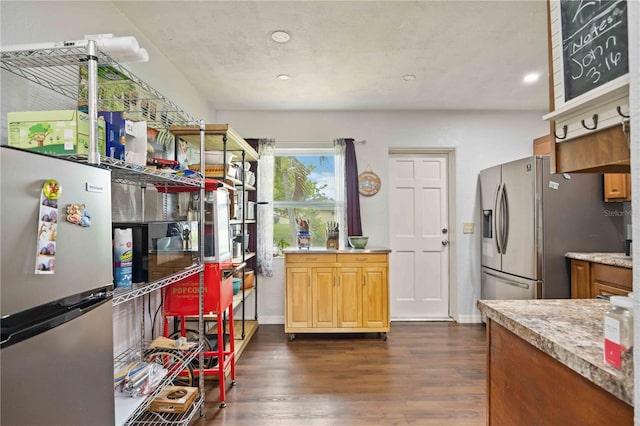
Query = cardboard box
x=136 y=142
x=53 y=132
x=115 y=130
x=174 y=399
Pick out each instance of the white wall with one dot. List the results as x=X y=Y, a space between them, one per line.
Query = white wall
x=480 y=140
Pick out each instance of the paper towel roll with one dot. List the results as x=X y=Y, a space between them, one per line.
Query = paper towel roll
x=123 y=257
x=140 y=56
x=118 y=45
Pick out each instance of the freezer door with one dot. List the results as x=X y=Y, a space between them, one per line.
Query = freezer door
x=518 y=217
x=575 y=218
x=498 y=286
x=490 y=180
x=62 y=376
x=83 y=255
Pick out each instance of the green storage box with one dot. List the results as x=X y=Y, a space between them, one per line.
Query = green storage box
x=53 y=132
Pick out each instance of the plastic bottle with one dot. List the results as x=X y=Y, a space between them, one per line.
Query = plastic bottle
x=618 y=329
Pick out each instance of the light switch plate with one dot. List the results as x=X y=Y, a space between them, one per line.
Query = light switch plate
x=468 y=228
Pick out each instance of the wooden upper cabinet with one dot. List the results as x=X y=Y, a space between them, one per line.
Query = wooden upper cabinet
x=542 y=145
x=589 y=86
x=617 y=187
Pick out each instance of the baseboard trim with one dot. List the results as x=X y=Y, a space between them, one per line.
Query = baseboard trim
x=421 y=319
x=470 y=319
x=272 y=319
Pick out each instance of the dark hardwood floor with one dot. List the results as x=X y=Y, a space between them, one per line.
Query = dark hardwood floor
x=426 y=373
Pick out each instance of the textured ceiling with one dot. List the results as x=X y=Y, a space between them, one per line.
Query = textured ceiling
x=351 y=55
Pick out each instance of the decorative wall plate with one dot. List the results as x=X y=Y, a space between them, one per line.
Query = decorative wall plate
x=368 y=183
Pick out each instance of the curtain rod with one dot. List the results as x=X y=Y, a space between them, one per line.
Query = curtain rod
x=363 y=141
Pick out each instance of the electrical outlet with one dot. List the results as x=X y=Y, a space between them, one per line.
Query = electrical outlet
x=468 y=228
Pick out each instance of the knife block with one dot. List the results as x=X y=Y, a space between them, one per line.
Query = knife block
x=333 y=240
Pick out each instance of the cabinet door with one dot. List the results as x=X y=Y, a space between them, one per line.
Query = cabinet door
x=324 y=300
x=349 y=297
x=298 y=297
x=580 y=279
x=375 y=303
x=617 y=187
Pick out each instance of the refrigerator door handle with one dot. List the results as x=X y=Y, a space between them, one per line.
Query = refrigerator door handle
x=506 y=281
x=497 y=218
x=505 y=220
x=29 y=323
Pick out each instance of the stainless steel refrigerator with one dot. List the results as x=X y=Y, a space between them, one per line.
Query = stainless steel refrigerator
x=531 y=218
x=56 y=353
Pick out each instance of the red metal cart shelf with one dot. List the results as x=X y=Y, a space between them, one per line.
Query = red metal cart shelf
x=182 y=299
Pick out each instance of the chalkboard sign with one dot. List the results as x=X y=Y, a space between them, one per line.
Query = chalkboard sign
x=594 y=44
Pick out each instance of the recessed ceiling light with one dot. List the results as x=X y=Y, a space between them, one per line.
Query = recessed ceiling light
x=283 y=77
x=408 y=77
x=532 y=77
x=280 y=36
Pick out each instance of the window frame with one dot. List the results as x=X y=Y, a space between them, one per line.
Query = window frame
x=326 y=205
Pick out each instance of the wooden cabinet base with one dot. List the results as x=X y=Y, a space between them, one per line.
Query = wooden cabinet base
x=525 y=386
x=336 y=293
x=590 y=279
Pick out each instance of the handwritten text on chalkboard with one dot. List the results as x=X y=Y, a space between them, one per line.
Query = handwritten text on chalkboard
x=594 y=44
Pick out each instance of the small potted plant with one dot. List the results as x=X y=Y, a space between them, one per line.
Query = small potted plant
x=282 y=244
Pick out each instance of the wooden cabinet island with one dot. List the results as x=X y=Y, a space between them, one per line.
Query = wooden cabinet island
x=545 y=365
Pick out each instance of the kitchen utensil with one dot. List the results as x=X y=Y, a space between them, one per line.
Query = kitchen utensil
x=237 y=249
x=358 y=241
x=333 y=235
x=237 y=283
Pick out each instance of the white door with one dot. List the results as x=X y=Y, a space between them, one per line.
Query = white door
x=419 y=235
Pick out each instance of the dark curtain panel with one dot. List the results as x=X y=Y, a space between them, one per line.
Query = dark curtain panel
x=354 y=225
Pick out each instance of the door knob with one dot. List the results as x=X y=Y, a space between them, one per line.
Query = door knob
x=445 y=230
x=445 y=242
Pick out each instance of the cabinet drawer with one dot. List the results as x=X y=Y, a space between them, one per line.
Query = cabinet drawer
x=362 y=258
x=310 y=258
x=622 y=277
x=603 y=289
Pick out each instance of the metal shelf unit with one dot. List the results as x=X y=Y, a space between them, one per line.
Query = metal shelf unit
x=71 y=70
x=221 y=137
x=128 y=294
x=58 y=69
x=135 y=409
x=131 y=174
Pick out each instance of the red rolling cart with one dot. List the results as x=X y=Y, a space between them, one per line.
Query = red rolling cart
x=181 y=301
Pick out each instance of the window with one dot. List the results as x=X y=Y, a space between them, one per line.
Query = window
x=304 y=187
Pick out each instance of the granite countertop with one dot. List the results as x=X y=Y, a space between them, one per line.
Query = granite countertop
x=613 y=259
x=568 y=330
x=316 y=250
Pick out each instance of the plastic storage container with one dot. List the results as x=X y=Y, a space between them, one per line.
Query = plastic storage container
x=618 y=330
